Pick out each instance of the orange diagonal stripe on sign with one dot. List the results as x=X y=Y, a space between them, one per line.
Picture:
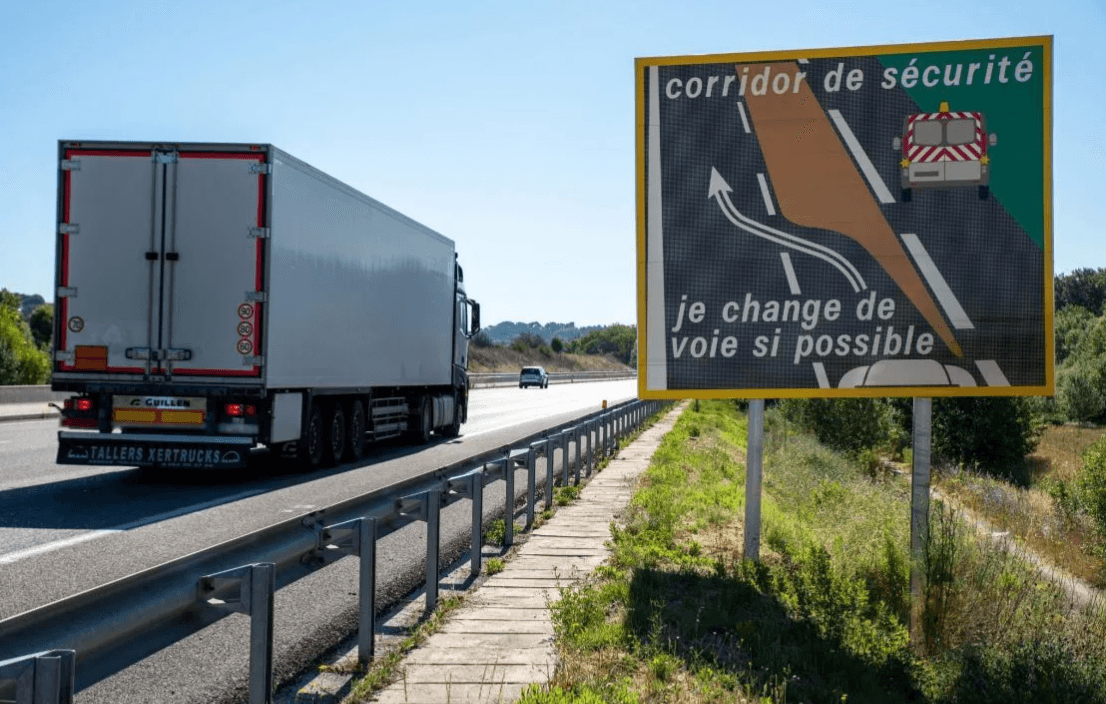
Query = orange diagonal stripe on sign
x=817 y=185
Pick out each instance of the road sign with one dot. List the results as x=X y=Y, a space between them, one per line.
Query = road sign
x=870 y=221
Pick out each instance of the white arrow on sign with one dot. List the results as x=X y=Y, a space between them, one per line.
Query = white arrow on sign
x=720 y=191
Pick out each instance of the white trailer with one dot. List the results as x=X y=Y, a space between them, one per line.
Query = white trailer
x=211 y=298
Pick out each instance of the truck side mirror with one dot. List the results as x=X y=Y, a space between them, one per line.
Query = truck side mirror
x=992 y=139
x=475 y=320
x=896 y=143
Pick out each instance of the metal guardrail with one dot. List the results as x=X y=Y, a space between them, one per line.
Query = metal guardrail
x=42 y=394
x=31 y=394
x=53 y=651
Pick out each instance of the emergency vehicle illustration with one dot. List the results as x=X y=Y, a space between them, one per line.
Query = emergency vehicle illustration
x=945 y=149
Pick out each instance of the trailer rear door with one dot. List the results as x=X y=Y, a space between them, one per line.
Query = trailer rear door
x=161 y=263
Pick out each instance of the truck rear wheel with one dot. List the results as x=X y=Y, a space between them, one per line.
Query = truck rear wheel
x=311 y=444
x=424 y=424
x=336 y=435
x=356 y=434
x=454 y=428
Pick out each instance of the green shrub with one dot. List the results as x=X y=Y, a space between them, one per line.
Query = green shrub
x=1081 y=390
x=496 y=532
x=850 y=425
x=990 y=434
x=21 y=361
x=1092 y=484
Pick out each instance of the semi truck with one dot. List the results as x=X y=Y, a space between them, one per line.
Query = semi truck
x=216 y=299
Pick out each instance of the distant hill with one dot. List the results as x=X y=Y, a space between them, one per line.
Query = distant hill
x=507 y=331
x=29 y=303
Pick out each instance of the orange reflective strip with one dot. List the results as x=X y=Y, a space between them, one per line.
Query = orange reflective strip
x=134 y=415
x=183 y=417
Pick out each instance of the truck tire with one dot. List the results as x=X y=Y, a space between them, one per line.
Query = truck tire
x=335 y=445
x=424 y=423
x=454 y=429
x=311 y=445
x=355 y=435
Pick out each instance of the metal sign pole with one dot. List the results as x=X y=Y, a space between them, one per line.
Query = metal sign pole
x=919 y=511
x=753 y=464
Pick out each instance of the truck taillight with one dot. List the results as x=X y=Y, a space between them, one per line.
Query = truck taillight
x=239 y=410
x=79 y=412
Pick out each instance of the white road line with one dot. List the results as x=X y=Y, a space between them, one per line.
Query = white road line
x=656 y=372
x=4 y=442
x=92 y=535
x=820 y=372
x=744 y=117
x=866 y=165
x=991 y=373
x=767 y=196
x=937 y=283
x=792 y=281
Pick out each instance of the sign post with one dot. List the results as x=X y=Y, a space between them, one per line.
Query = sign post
x=919 y=512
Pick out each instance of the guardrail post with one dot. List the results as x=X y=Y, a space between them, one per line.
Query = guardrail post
x=43 y=678
x=358 y=537
x=476 y=495
x=509 y=504
x=549 y=473
x=531 y=485
x=588 y=425
x=433 y=514
x=576 y=464
x=563 y=437
x=608 y=434
x=427 y=507
x=255 y=585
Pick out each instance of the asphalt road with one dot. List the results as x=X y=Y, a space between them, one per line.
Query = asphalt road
x=66 y=529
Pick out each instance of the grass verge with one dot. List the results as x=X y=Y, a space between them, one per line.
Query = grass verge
x=677 y=616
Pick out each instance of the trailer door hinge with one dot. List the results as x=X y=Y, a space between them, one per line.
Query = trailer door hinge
x=67 y=292
x=259 y=232
x=144 y=353
x=261 y=168
x=165 y=157
x=63 y=356
x=255 y=296
x=69 y=228
x=71 y=165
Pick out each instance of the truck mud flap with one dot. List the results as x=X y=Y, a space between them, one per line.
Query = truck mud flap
x=153 y=451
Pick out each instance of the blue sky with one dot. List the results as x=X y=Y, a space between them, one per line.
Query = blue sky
x=506 y=126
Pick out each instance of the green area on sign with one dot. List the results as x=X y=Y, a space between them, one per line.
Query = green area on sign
x=1007 y=86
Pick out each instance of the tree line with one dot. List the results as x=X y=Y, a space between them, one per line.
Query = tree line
x=24 y=342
